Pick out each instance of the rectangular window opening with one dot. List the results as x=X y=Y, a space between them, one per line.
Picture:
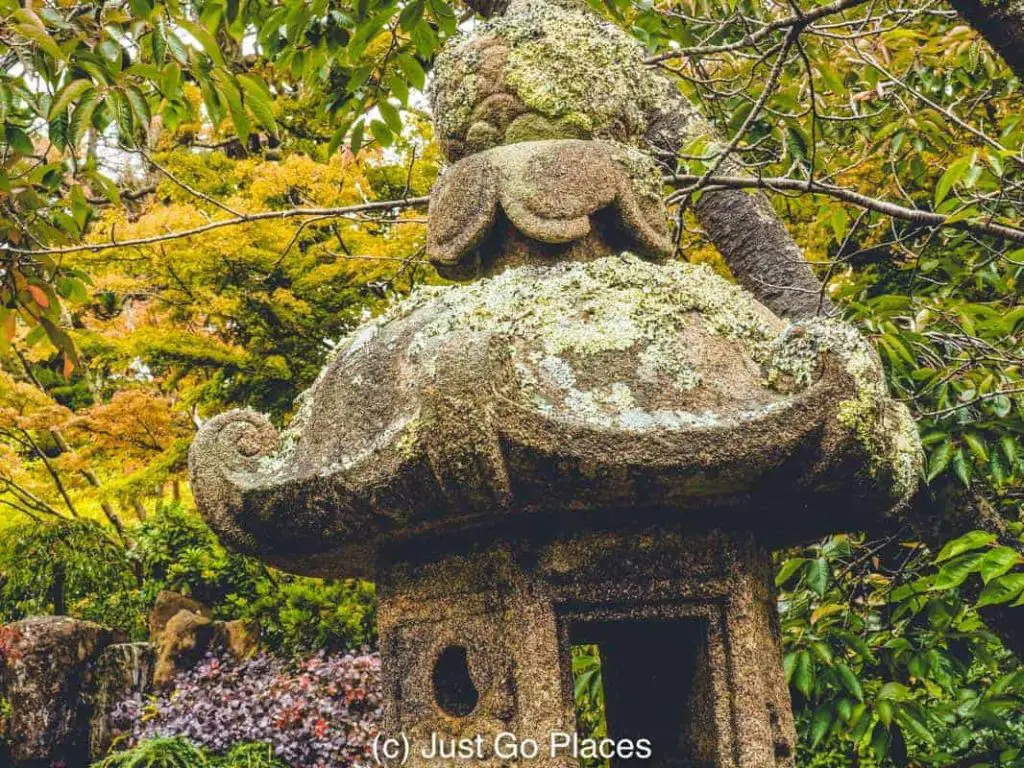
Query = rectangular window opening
x=645 y=679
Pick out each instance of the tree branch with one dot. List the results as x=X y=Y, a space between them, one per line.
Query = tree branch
x=246 y=218
x=915 y=215
x=751 y=39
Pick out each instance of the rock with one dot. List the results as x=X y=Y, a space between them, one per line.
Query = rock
x=186 y=638
x=243 y=637
x=167 y=605
x=48 y=669
x=121 y=670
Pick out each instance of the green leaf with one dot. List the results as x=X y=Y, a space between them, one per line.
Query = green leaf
x=840 y=222
x=850 y=681
x=233 y=98
x=789 y=665
x=962 y=468
x=413 y=71
x=399 y=89
x=382 y=133
x=204 y=38
x=391 y=117
x=954 y=572
x=817 y=576
x=57 y=130
x=911 y=719
x=965 y=543
x=1001 y=590
x=30 y=26
x=259 y=102
x=940 y=459
x=356 y=142
x=880 y=739
x=789 y=568
x=68 y=94
x=424 y=38
x=820 y=722
x=18 y=140
x=140 y=108
x=803 y=673
x=1008 y=445
x=953 y=174
x=81 y=118
x=894 y=692
x=444 y=15
x=977 y=445
x=123 y=117
x=997 y=562
x=885 y=711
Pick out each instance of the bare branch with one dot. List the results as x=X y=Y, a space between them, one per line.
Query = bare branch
x=247 y=218
x=917 y=216
x=803 y=19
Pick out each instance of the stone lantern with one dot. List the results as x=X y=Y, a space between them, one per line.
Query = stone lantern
x=585 y=442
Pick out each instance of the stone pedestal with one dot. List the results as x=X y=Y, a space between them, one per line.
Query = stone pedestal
x=478 y=643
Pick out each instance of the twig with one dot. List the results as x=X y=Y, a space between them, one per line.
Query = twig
x=247 y=218
x=806 y=18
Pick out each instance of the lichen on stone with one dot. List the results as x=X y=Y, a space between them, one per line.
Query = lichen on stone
x=586 y=76
x=591 y=341
x=884 y=428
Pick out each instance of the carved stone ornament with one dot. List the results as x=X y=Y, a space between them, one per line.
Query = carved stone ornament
x=578 y=446
x=608 y=384
x=552 y=192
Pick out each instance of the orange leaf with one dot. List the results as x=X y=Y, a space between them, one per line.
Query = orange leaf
x=69 y=366
x=39 y=295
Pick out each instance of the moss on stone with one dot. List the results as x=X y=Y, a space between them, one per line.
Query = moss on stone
x=623 y=304
x=564 y=63
x=884 y=428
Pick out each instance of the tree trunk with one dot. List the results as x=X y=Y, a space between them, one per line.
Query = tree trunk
x=1001 y=23
x=744 y=227
x=763 y=257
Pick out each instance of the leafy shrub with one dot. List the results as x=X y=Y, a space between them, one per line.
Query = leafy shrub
x=323 y=711
x=910 y=675
x=158 y=753
x=296 y=614
x=588 y=694
x=78 y=568
x=75 y=567
x=181 y=753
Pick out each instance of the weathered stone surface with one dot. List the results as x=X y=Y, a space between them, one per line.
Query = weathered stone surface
x=48 y=671
x=121 y=670
x=476 y=638
x=242 y=637
x=609 y=384
x=188 y=636
x=551 y=192
x=542 y=70
x=186 y=639
x=166 y=607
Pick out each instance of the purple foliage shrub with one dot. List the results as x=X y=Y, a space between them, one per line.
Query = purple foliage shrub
x=319 y=713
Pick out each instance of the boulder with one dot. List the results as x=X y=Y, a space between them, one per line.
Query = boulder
x=47 y=669
x=167 y=606
x=243 y=637
x=186 y=638
x=121 y=670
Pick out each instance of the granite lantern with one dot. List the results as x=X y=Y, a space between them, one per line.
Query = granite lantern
x=585 y=441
